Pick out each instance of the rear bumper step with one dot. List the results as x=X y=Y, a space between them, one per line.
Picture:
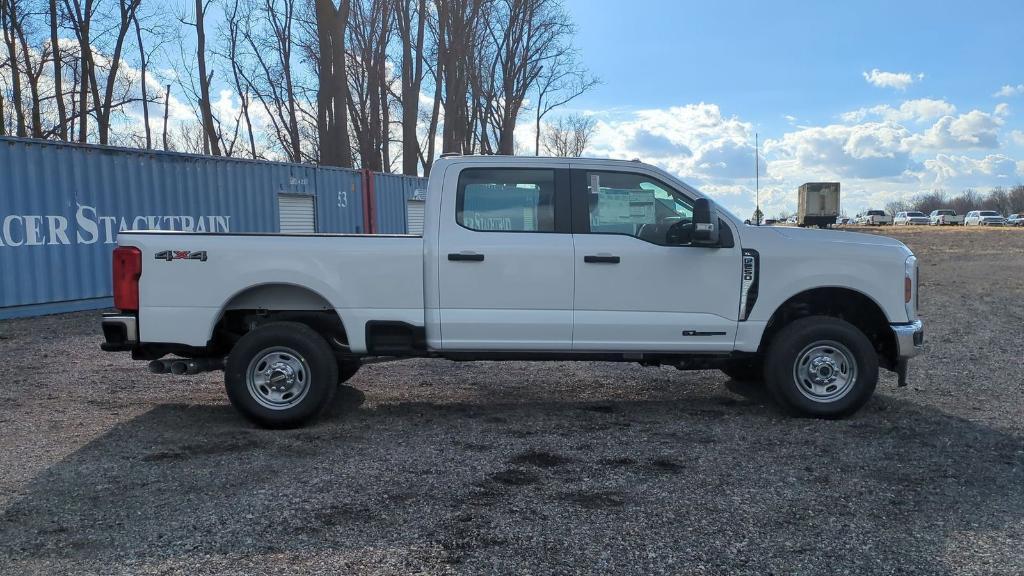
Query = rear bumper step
x=120 y=332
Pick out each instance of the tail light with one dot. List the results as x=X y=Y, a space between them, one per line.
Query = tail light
x=127 y=271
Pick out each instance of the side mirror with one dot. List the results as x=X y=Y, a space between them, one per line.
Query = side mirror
x=705 y=224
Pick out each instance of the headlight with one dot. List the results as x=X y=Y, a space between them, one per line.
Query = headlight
x=911 y=287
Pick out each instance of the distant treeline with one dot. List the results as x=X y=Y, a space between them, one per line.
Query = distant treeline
x=1002 y=200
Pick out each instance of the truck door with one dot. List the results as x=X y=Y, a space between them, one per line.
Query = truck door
x=636 y=288
x=505 y=259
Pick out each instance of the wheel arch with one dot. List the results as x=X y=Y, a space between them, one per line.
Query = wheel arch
x=258 y=304
x=840 y=302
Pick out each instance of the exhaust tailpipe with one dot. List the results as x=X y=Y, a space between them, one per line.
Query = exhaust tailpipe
x=159 y=367
x=179 y=367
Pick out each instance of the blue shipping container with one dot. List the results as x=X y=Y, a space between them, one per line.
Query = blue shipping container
x=62 y=205
x=392 y=191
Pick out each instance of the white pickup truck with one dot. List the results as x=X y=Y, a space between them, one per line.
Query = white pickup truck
x=874 y=218
x=531 y=259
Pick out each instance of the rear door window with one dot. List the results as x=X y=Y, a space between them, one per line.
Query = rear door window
x=506 y=200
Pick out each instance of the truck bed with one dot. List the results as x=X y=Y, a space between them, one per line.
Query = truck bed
x=187 y=279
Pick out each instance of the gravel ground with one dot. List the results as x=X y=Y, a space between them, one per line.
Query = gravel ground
x=427 y=466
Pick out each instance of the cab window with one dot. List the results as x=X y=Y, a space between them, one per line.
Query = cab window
x=506 y=200
x=635 y=205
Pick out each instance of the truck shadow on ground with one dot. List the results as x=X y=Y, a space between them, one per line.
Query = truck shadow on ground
x=614 y=486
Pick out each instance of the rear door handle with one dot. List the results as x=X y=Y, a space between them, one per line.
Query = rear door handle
x=466 y=257
x=596 y=259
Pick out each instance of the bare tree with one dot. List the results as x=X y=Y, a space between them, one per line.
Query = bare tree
x=270 y=46
x=458 y=39
x=561 y=81
x=21 y=18
x=211 y=137
x=411 y=19
x=369 y=37
x=80 y=14
x=527 y=36
x=332 y=93
x=569 y=136
x=10 y=19
x=58 y=83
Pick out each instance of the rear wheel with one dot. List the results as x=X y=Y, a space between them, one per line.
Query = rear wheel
x=281 y=375
x=821 y=366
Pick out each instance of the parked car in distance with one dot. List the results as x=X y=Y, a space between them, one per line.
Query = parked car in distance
x=874 y=218
x=984 y=218
x=843 y=220
x=911 y=219
x=1015 y=219
x=945 y=218
x=527 y=258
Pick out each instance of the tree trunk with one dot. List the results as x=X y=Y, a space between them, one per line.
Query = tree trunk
x=167 y=107
x=10 y=10
x=412 y=79
x=58 y=88
x=36 y=119
x=210 y=137
x=127 y=13
x=332 y=112
x=145 y=91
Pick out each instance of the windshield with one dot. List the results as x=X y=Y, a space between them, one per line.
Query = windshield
x=945 y=213
x=914 y=214
x=876 y=213
x=989 y=213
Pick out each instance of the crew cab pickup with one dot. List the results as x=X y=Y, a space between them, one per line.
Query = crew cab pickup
x=531 y=259
x=945 y=218
x=874 y=218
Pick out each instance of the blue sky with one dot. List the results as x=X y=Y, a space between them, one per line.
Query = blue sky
x=892 y=98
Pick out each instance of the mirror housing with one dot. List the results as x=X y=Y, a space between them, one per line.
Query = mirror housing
x=705 y=224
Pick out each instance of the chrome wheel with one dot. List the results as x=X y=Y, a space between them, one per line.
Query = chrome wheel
x=825 y=371
x=278 y=378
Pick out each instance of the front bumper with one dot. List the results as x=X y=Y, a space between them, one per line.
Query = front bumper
x=120 y=332
x=909 y=343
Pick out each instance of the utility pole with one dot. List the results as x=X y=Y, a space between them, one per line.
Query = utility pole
x=757 y=182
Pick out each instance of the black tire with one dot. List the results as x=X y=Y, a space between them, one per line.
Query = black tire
x=838 y=349
x=746 y=370
x=296 y=349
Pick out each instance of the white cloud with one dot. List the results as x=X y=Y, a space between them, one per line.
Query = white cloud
x=879 y=153
x=695 y=139
x=896 y=80
x=963 y=170
x=1009 y=90
x=870 y=150
x=919 y=110
x=975 y=129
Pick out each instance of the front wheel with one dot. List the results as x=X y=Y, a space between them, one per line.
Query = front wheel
x=821 y=366
x=281 y=375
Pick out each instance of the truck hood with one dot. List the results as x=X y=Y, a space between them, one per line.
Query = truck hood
x=811 y=235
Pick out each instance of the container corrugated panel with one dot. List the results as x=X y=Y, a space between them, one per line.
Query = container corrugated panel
x=62 y=205
x=339 y=205
x=391 y=192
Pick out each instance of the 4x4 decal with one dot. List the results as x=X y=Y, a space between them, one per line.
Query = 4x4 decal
x=171 y=255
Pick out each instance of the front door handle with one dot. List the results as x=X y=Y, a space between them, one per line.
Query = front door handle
x=601 y=259
x=466 y=257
